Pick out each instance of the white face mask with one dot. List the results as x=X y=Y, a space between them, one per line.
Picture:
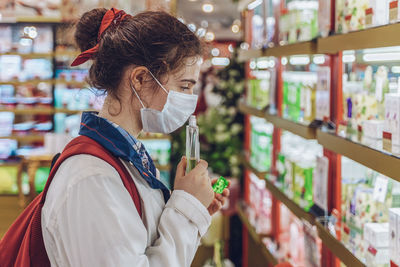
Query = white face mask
x=176 y=112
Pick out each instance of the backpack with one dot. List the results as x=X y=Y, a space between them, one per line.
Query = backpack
x=23 y=243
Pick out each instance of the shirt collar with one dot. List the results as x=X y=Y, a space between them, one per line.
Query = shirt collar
x=122 y=145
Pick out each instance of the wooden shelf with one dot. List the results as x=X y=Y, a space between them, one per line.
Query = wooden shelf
x=245 y=55
x=379 y=161
x=30 y=55
x=33 y=82
x=294 y=127
x=302 y=130
x=294 y=208
x=163 y=167
x=301 y=48
x=256 y=237
x=73 y=83
x=337 y=247
x=25 y=138
x=40 y=111
x=328 y=240
x=155 y=137
x=29 y=111
x=382 y=36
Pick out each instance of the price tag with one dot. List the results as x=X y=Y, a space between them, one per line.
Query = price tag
x=321 y=183
x=380 y=189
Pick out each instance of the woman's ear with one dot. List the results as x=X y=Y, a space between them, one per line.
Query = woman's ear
x=138 y=77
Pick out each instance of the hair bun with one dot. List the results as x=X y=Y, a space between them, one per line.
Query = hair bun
x=88 y=27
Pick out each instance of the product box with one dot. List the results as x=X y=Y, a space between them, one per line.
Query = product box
x=392 y=120
x=377 y=14
x=373 y=128
x=394 y=241
x=377 y=257
x=394 y=11
x=377 y=234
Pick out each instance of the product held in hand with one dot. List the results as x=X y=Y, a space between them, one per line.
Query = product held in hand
x=220 y=185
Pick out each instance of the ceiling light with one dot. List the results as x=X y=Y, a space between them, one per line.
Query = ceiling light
x=215 y=52
x=208 y=7
x=381 y=57
x=348 y=58
x=204 y=23
x=253 y=65
x=192 y=27
x=237 y=22
x=319 y=59
x=210 y=36
x=396 y=69
x=254 y=4
x=220 y=61
x=262 y=64
x=244 y=46
x=201 y=32
x=235 y=28
x=230 y=48
x=299 y=60
x=181 y=20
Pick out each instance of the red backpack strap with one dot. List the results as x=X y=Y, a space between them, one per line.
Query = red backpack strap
x=86 y=145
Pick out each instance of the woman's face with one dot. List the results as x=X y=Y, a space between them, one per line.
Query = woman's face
x=182 y=81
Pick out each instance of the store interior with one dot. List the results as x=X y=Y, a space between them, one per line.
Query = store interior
x=299 y=107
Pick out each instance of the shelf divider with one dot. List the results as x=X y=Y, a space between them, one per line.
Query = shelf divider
x=379 y=161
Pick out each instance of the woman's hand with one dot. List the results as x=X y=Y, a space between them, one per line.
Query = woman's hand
x=196 y=182
x=219 y=199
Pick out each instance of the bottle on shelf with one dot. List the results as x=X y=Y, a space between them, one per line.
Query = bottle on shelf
x=192 y=144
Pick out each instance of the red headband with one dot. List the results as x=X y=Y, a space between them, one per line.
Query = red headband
x=112 y=16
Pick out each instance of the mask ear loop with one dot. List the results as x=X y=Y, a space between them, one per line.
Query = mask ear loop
x=134 y=90
x=158 y=82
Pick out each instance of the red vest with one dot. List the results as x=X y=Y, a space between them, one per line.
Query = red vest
x=23 y=243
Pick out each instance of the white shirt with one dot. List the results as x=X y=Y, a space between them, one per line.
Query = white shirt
x=89 y=219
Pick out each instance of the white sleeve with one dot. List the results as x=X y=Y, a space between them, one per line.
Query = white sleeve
x=98 y=225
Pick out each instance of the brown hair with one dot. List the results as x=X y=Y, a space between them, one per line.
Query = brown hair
x=153 y=39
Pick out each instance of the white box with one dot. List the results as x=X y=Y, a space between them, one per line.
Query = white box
x=377 y=234
x=394 y=238
x=380 y=12
x=373 y=128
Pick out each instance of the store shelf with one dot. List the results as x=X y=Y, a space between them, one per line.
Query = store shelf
x=337 y=247
x=245 y=55
x=66 y=53
x=383 y=36
x=29 y=111
x=301 y=48
x=38 y=19
x=256 y=237
x=244 y=108
x=329 y=241
x=40 y=111
x=73 y=83
x=379 y=161
x=163 y=167
x=154 y=137
x=302 y=130
x=278 y=194
x=29 y=82
x=25 y=138
x=30 y=55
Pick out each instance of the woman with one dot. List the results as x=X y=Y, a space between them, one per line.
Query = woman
x=148 y=65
